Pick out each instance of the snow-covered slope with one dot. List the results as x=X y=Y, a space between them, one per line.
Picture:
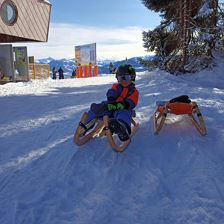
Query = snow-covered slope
x=175 y=177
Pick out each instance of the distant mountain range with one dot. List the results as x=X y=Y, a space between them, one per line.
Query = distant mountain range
x=103 y=65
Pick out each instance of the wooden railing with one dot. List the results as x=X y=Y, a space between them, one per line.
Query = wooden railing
x=39 y=71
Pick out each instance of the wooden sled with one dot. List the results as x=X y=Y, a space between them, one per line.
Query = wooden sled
x=101 y=129
x=178 y=108
x=119 y=147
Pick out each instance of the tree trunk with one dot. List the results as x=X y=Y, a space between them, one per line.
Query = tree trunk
x=183 y=20
x=186 y=17
x=213 y=22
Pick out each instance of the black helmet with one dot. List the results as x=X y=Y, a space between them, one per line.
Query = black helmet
x=126 y=69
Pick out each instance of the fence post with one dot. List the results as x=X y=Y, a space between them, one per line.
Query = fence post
x=34 y=71
x=95 y=70
x=90 y=71
x=80 y=72
x=77 y=71
x=85 y=71
x=48 y=72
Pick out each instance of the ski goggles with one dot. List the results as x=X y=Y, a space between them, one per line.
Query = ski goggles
x=125 y=77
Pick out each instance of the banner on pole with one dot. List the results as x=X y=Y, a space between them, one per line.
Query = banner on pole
x=85 y=54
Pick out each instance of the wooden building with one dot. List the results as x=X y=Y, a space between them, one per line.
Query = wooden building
x=24 y=20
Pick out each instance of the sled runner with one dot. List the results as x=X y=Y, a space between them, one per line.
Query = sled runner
x=101 y=128
x=178 y=108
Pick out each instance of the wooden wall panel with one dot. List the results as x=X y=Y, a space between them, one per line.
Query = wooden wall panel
x=32 y=23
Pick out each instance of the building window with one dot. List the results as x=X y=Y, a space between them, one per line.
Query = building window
x=9 y=12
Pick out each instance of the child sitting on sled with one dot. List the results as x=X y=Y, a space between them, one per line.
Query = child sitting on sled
x=122 y=98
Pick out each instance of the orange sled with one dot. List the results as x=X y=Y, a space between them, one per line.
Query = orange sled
x=191 y=109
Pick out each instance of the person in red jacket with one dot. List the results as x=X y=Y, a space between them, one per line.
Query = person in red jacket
x=122 y=98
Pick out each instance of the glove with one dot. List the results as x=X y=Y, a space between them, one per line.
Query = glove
x=120 y=106
x=111 y=106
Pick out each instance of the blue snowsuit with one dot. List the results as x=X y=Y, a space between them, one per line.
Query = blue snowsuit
x=128 y=96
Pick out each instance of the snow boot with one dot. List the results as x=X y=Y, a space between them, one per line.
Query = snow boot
x=119 y=128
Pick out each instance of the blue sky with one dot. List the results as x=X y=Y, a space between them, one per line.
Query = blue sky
x=116 y=28
x=101 y=13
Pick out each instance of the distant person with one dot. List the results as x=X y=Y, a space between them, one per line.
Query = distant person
x=111 y=68
x=74 y=73
x=1 y=74
x=54 y=73
x=61 y=73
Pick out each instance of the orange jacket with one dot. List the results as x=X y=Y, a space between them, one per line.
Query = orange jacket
x=127 y=95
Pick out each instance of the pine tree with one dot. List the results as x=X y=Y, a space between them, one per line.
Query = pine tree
x=198 y=24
